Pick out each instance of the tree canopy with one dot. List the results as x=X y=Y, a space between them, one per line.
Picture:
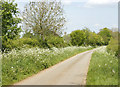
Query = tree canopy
x=10 y=21
x=95 y=39
x=44 y=18
x=77 y=37
x=105 y=33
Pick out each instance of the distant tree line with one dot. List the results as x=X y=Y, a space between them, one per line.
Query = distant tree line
x=86 y=37
x=43 y=24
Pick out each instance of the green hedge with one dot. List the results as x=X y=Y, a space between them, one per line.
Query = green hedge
x=12 y=44
x=113 y=46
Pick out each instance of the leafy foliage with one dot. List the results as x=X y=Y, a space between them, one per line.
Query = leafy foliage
x=95 y=39
x=105 y=33
x=10 y=21
x=28 y=35
x=17 y=44
x=86 y=37
x=55 y=41
x=113 y=44
x=87 y=34
x=77 y=37
x=67 y=39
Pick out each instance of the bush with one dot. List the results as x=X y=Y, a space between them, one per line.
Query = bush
x=67 y=40
x=95 y=40
x=29 y=41
x=55 y=41
x=43 y=43
x=6 y=45
x=77 y=37
x=105 y=33
x=113 y=46
x=12 y=44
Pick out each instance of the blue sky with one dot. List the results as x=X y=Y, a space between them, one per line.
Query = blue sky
x=93 y=14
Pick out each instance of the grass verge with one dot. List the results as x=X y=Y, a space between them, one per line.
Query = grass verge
x=20 y=64
x=103 y=69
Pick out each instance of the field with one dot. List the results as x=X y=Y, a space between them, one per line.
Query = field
x=20 y=64
x=103 y=69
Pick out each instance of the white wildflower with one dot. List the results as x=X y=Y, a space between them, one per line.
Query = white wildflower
x=113 y=71
x=111 y=61
x=99 y=65
x=105 y=64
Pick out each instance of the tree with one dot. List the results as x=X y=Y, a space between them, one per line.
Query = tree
x=105 y=33
x=77 y=37
x=87 y=33
x=10 y=21
x=28 y=35
x=42 y=18
x=67 y=38
x=95 y=39
x=55 y=41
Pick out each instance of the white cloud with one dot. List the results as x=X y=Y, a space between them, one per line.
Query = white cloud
x=91 y=3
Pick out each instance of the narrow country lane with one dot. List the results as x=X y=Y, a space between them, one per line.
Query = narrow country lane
x=72 y=71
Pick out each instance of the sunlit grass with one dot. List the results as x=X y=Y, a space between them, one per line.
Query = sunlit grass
x=19 y=64
x=103 y=69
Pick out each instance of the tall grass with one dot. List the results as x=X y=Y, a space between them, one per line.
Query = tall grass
x=20 y=64
x=103 y=69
